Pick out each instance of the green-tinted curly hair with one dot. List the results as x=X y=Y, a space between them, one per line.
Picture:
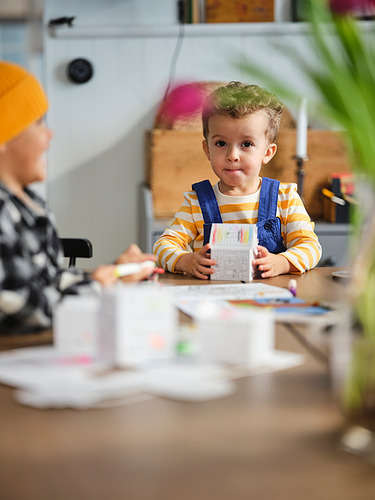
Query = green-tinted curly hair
x=238 y=100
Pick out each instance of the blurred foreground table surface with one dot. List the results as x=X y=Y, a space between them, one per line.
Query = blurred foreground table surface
x=276 y=437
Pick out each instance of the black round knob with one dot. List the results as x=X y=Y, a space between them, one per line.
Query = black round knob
x=80 y=70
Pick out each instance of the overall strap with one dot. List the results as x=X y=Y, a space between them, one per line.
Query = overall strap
x=207 y=201
x=269 y=193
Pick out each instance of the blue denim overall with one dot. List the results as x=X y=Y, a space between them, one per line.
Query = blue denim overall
x=268 y=225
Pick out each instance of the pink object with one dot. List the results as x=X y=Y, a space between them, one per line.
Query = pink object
x=76 y=360
x=158 y=270
x=351 y=6
x=183 y=101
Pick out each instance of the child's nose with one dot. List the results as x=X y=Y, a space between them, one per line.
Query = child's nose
x=232 y=154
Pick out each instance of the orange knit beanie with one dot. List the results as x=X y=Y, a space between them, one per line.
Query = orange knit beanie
x=22 y=100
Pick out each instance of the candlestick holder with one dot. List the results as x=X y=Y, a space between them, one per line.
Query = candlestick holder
x=301 y=172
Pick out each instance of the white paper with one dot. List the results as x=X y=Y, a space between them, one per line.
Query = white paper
x=75 y=323
x=136 y=324
x=45 y=379
x=235 y=338
x=233 y=247
x=193 y=299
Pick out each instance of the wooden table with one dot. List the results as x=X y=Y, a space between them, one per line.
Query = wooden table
x=275 y=438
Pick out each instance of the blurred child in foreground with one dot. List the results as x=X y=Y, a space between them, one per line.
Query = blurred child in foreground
x=32 y=276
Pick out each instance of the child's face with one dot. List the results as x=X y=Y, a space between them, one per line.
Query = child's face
x=237 y=148
x=25 y=154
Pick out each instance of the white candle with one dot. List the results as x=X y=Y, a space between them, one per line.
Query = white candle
x=301 y=149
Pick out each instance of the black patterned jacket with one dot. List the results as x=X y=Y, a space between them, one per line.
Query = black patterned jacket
x=32 y=273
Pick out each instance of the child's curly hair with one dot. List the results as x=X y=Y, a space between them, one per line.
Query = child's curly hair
x=238 y=100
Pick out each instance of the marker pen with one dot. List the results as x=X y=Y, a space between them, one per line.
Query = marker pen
x=134 y=267
x=333 y=197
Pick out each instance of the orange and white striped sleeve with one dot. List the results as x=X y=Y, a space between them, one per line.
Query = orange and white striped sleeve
x=303 y=248
x=184 y=235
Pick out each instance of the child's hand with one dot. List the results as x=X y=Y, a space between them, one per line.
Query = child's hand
x=196 y=263
x=134 y=254
x=106 y=275
x=270 y=264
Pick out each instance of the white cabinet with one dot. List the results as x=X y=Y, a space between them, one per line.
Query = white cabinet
x=334 y=239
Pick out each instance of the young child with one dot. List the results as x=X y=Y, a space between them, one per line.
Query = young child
x=240 y=126
x=32 y=276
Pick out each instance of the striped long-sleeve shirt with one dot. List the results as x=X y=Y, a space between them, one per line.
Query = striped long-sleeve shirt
x=185 y=234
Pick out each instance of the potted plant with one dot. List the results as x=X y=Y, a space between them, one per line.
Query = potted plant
x=345 y=83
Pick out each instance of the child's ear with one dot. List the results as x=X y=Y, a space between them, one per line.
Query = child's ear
x=270 y=153
x=3 y=148
x=205 y=149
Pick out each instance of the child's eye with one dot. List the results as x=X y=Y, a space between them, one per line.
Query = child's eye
x=220 y=143
x=247 y=144
x=41 y=120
